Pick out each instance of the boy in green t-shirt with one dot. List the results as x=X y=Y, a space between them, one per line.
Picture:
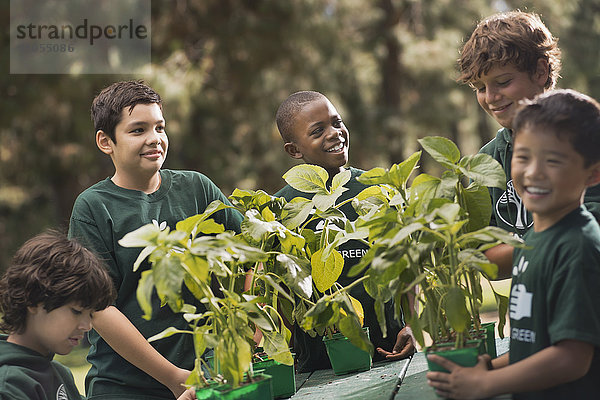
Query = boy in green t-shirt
x=312 y=130
x=48 y=296
x=130 y=128
x=510 y=56
x=554 y=300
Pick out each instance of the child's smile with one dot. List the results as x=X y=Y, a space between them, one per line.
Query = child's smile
x=548 y=174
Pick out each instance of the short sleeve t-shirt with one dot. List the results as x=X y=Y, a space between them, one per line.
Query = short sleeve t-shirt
x=555 y=295
x=101 y=216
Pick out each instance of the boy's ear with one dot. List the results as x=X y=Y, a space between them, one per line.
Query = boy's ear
x=542 y=72
x=103 y=142
x=292 y=150
x=594 y=177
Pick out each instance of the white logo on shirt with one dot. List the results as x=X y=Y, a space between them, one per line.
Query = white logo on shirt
x=520 y=302
x=61 y=393
x=521 y=267
x=510 y=197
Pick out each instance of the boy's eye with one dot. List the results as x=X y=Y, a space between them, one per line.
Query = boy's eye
x=317 y=131
x=504 y=83
x=76 y=311
x=337 y=123
x=137 y=130
x=479 y=89
x=160 y=128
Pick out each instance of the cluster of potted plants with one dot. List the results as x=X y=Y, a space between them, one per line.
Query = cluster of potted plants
x=426 y=240
x=292 y=272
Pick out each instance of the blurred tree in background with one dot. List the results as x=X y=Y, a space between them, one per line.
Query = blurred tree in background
x=223 y=67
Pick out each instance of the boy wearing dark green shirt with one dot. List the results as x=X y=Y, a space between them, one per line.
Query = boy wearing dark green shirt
x=130 y=128
x=47 y=298
x=554 y=300
x=511 y=56
x=313 y=131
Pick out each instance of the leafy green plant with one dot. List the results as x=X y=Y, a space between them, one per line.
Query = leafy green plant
x=211 y=264
x=294 y=273
x=281 y=228
x=430 y=236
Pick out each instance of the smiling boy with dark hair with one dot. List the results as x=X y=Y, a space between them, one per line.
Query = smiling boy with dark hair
x=312 y=130
x=554 y=299
x=130 y=128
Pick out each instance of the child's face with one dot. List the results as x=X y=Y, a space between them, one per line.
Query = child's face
x=57 y=331
x=141 y=145
x=549 y=175
x=499 y=91
x=320 y=136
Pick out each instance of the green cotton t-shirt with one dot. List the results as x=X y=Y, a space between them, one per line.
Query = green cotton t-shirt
x=555 y=295
x=508 y=211
x=25 y=374
x=310 y=351
x=101 y=216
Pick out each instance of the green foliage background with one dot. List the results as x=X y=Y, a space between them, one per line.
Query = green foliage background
x=222 y=68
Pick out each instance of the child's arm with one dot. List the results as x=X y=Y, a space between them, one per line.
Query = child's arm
x=129 y=343
x=563 y=362
x=501 y=255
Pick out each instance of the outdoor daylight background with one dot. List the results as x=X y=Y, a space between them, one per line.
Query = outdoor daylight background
x=223 y=67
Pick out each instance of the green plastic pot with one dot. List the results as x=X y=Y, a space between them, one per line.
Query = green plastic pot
x=490 y=328
x=346 y=357
x=466 y=356
x=283 y=377
x=260 y=389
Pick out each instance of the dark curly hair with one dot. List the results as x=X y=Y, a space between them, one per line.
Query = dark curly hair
x=52 y=270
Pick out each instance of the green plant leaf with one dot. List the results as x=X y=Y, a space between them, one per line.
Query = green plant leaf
x=296 y=211
x=143 y=236
x=146 y=251
x=374 y=176
x=456 y=310
x=399 y=173
x=325 y=201
x=170 y=331
x=448 y=212
x=350 y=327
x=478 y=206
x=442 y=150
x=209 y=227
x=255 y=227
x=484 y=170
x=502 y=302
x=423 y=189
x=326 y=272
x=340 y=179
x=296 y=275
x=307 y=178
x=168 y=278
x=277 y=348
x=144 y=293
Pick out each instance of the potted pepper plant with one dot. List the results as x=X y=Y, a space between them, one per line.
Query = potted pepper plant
x=428 y=240
x=212 y=267
x=326 y=309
